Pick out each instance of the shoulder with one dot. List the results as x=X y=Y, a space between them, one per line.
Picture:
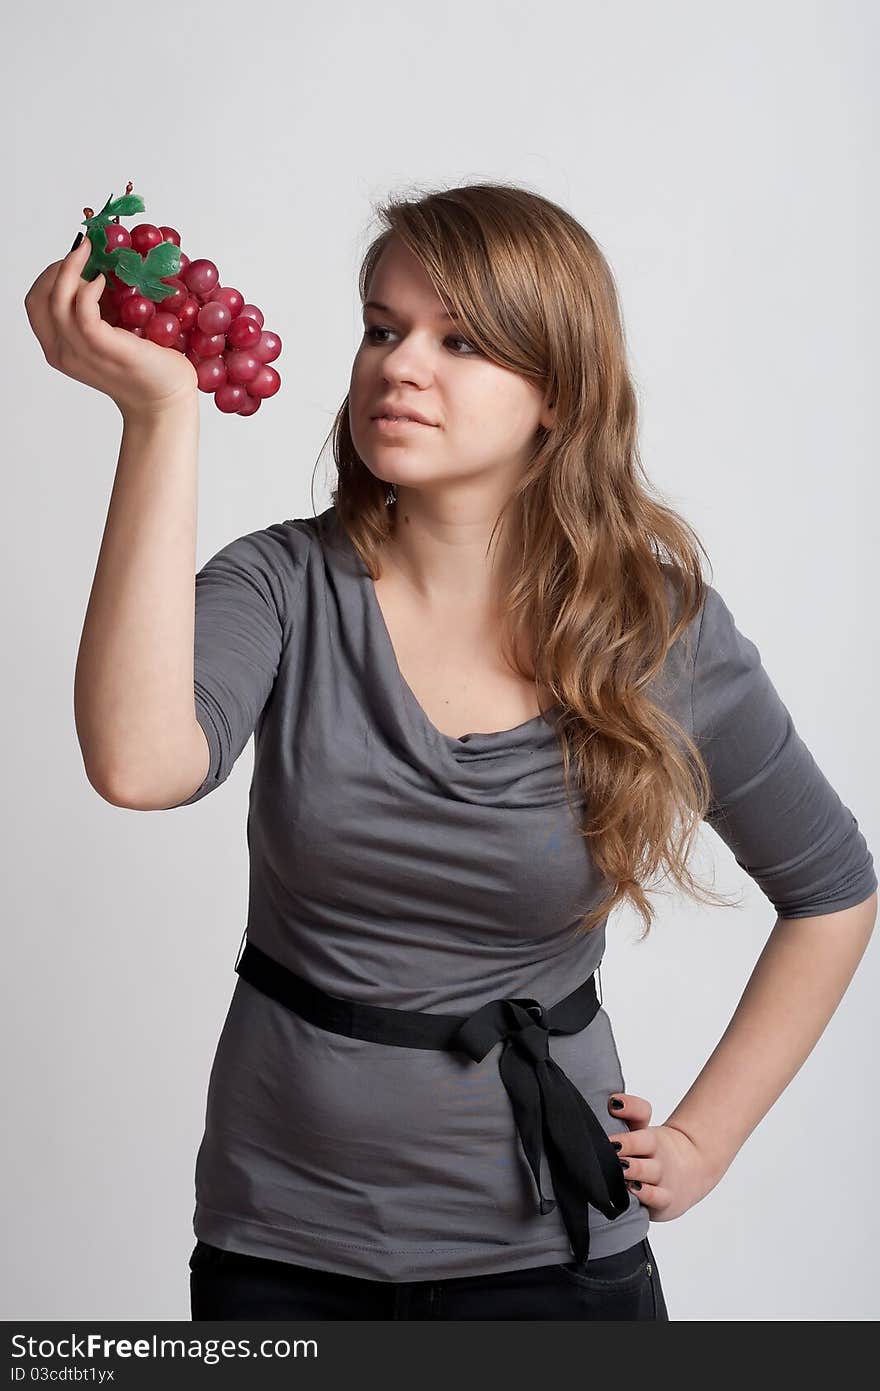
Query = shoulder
x=707 y=650
x=730 y=687
x=281 y=548
x=710 y=639
x=261 y=568
x=710 y=626
x=306 y=537
x=720 y=644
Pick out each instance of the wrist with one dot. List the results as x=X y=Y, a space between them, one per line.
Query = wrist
x=716 y=1157
x=182 y=404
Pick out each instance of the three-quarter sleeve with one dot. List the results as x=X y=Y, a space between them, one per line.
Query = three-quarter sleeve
x=242 y=600
x=771 y=804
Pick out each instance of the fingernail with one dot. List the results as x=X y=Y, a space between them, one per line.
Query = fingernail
x=617 y=1103
x=76 y=241
x=617 y=1145
x=634 y=1183
x=624 y=1163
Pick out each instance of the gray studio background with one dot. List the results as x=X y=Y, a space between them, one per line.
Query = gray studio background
x=723 y=157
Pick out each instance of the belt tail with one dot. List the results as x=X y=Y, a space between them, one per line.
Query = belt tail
x=583 y=1162
x=551 y=1113
x=522 y=1087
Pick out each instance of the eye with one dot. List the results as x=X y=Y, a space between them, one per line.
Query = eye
x=453 y=338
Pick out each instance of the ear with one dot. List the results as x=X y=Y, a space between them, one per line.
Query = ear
x=548 y=415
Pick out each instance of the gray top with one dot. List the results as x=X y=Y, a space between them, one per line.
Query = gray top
x=396 y=865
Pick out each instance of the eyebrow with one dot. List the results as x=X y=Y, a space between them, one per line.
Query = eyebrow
x=386 y=309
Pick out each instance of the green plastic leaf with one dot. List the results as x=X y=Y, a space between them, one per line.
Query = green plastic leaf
x=146 y=273
x=128 y=265
x=126 y=206
x=162 y=260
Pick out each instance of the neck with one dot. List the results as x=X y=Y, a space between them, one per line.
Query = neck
x=443 y=560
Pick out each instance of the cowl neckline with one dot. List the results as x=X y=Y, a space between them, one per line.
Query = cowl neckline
x=478 y=743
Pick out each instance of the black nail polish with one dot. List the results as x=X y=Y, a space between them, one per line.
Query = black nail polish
x=634 y=1183
x=76 y=241
x=624 y=1163
x=617 y=1104
x=617 y=1145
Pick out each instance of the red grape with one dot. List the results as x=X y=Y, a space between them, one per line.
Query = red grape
x=268 y=347
x=229 y=397
x=242 y=365
x=211 y=372
x=201 y=277
x=251 y=404
x=243 y=332
x=177 y=294
x=170 y=234
x=265 y=383
x=145 y=236
x=122 y=291
x=250 y=311
x=117 y=236
x=136 y=311
x=109 y=310
x=206 y=345
x=189 y=314
x=214 y=317
x=227 y=295
x=163 y=329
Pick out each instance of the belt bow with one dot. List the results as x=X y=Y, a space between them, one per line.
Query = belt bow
x=549 y=1109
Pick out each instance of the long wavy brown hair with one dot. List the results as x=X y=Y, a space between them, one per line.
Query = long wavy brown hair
x=605 y=575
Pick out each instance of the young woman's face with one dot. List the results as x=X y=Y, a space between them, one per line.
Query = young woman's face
x=483 y=417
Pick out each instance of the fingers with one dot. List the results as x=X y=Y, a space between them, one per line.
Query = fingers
x=636 y=1147
x=636 y=1111
x=67 y=284
x=641 y=1143
x=640 y=1168
x=43 y=282
x=649 y=1195
x=636 y=1152
x=86 y=307
x=48 y=302
x=36 y=304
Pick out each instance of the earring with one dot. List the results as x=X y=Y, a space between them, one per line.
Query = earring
x=391 y=495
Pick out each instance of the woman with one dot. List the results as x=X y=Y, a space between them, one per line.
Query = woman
x=416 y=1108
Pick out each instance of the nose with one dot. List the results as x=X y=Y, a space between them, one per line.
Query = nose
x=405 y=362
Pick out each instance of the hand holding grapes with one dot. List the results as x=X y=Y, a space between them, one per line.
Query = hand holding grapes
x=120 y=285
x=64 y=313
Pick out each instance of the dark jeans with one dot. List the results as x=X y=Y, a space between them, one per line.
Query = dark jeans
x=226 y=1285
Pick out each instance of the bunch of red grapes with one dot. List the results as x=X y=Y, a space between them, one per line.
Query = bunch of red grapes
x=222 y=336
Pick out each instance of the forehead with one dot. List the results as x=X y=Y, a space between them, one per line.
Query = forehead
x=400 y=282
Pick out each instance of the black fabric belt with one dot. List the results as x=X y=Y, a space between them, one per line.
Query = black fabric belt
x=547 y=1106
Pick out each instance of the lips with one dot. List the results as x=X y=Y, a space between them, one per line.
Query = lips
x=401 y=412
x=385 y=425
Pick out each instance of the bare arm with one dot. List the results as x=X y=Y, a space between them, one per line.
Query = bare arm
x=800 y=978
x=133 y=692
x=134 y=700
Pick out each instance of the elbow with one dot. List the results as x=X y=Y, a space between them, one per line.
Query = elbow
x=111 y=791
x=108 y=792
